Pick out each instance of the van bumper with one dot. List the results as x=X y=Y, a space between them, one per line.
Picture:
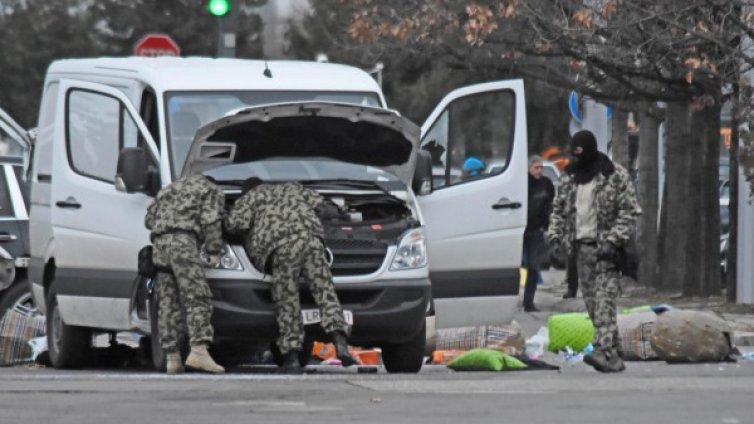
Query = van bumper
x=384 y=311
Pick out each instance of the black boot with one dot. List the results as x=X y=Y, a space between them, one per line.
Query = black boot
x=569 y=294
x=291 y=363
x=341 y=349
x=530 y=308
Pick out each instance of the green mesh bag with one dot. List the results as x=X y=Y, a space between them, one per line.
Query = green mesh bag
x=573 y=330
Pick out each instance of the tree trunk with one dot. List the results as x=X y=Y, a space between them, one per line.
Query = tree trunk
x=674 y=202
x=659 y=281
x=620 y=138
x=703 y=210
x=648 y=195
x=732 y=254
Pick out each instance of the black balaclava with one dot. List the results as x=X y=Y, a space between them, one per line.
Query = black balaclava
x=586 y=164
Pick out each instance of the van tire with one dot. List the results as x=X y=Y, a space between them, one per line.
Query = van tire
x=69 y=346
x=406 y=357
x=159 y=357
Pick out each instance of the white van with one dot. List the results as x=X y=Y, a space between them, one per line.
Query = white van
x=152 y=120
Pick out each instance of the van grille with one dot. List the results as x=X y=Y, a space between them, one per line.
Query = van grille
x=356 y=257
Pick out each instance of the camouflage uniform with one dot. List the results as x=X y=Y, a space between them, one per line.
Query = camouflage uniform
x=284 y=236
x=617 y=207
x=185 y=215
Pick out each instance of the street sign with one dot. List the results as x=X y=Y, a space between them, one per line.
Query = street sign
x=153 y=45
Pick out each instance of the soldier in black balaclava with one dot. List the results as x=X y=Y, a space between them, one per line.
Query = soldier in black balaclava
x=593 y=216
x=587 y=160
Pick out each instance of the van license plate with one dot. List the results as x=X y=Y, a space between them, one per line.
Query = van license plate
x=311 y=316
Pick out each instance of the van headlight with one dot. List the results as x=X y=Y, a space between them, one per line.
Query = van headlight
x=228 y=259
x=412 y=251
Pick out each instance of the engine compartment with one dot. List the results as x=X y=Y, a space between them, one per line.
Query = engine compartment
x=359 y=238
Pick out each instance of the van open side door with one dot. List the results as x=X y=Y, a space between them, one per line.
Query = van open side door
x=476 y=213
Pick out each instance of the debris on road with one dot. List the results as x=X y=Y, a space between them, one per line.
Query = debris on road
x=692 y=336
x=16 y=330
x=572 y=330
x=506 y=338
x=482 y=359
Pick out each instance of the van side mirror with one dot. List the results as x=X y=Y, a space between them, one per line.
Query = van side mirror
x=136 y=172
x=422 y=181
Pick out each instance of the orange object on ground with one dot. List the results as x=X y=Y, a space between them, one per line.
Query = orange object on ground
x=323 y=351
x=367 y=357
x=443 y=357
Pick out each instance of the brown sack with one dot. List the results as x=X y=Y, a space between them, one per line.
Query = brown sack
x=692 y=336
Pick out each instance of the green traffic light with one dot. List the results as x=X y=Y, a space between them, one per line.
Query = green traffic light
x=218 y=7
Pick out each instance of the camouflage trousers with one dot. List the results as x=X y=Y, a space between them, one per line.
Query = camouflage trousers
x=303 y=258
x=600 y=286
x=183 y=294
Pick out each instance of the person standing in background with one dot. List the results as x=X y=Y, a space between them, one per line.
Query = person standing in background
x=541 y=193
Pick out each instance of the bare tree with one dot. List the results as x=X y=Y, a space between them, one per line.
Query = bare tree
x=679 y=52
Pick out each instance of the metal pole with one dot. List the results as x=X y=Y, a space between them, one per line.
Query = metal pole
x=226 y=32
x=220 y=32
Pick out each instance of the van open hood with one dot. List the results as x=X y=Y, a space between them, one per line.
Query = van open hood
x=344 y=132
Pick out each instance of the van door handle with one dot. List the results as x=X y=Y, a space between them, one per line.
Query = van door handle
x=70 y=203
x=7 y=237
x=506 y=203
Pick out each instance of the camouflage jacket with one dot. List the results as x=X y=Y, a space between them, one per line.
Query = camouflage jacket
x=193 y=205
x=270 y=214
x=614 y=199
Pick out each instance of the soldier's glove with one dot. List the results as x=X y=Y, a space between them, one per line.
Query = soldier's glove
x=607 y=252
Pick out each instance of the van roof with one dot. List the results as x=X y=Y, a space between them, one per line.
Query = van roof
x=203 y=73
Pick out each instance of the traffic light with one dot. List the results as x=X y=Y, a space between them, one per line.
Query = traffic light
x=218 y=8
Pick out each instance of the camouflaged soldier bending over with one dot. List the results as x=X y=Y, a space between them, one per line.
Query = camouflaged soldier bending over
x=284 y=237
x=593 y=215
x=185 y=215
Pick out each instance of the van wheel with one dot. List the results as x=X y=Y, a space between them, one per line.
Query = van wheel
x=159 y=357
x=303 y=358
x=405 y=357
x=69 y=346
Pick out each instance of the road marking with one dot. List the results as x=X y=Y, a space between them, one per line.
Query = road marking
x=278 y=406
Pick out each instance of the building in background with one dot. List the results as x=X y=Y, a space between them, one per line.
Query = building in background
x=276 y=16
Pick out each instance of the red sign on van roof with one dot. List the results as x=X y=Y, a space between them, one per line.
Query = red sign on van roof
x=153 y=45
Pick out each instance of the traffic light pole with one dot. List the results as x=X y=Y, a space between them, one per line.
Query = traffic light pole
x=226 y=32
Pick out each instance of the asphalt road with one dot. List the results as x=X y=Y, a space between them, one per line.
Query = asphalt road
x=648 y=392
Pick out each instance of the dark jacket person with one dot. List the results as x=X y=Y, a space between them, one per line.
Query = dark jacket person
x=541 y=193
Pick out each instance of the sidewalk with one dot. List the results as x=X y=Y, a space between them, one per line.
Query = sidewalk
x=549 y=299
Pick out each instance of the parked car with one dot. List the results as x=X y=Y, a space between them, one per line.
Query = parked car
x=14 y=218
x=121 y=128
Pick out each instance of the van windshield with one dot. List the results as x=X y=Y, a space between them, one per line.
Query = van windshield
x=186 y=111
